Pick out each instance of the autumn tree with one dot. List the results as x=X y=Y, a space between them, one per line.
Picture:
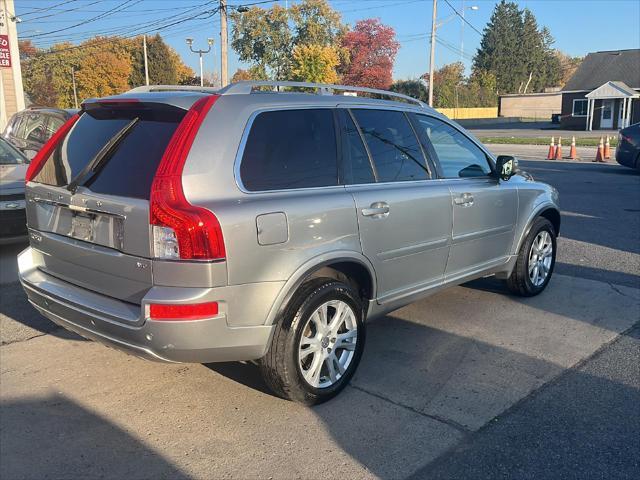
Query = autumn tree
x=105 y=71
x=241 y=75
x=315 y=63
x=568 y=66
x=372 y=48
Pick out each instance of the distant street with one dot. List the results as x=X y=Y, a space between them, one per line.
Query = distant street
x=470 y=383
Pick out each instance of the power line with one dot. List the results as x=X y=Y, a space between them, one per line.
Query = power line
x=209 y=13
x=49 y=8
x=92 y=19
x=463 y=19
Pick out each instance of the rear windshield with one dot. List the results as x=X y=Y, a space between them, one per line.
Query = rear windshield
x=128 y=169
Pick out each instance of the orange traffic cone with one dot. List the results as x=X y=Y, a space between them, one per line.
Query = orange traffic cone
x=558 y=155
x=552 y=150
x=573 y=154
x=600 y=153
x=607 y=149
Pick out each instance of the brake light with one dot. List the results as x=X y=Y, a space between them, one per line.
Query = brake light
x=47 y=149
x=182 y=230
x=195 y=311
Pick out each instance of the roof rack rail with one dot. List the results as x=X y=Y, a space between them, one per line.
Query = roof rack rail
x=246 y=87
x=173 y=88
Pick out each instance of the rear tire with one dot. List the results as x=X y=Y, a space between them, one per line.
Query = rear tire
x=535 y=263
x=317 y=344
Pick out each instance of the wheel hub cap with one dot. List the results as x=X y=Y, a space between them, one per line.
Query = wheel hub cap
x=328 y=342
x=540 y=258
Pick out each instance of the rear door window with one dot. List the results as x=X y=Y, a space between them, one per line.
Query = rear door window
x=130 y=168
x=393 y=146
x=356 y=164
x=289 y=149
x=458 y=156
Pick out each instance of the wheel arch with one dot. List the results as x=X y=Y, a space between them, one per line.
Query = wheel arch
x=548 y=211
x=351 y=267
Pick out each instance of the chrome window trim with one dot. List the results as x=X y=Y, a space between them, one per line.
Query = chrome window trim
x=348 y=107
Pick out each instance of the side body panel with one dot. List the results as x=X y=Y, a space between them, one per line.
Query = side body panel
x=409 y=245
x=483 y=226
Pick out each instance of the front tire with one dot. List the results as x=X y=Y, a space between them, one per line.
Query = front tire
x=317 y=344
x=536 y=260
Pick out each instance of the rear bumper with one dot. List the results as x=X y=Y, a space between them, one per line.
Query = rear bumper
x=119 y=324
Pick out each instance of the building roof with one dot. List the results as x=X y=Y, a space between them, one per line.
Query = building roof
x=613 y=90
x=600 y=67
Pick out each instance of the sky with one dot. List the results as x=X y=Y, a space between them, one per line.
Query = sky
x=578 y=26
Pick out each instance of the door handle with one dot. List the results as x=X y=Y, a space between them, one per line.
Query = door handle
x=464 y=200
x=377 y=210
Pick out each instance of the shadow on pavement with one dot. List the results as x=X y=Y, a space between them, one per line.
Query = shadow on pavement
x=54 y=437
x=20 y=320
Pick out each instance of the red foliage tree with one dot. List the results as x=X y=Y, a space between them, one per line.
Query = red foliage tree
x=372 y=48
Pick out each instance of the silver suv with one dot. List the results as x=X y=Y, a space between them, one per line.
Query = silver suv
x=260 y=223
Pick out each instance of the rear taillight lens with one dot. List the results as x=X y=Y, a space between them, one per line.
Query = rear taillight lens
x=194 y=311
x=182 y=230
x=45 y=152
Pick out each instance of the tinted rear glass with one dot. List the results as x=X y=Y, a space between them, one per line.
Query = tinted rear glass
x=129 y=169
x=290 y=149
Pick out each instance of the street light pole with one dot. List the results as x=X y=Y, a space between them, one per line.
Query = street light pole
x=434 y=27
x=433 y=52
x=200 y=53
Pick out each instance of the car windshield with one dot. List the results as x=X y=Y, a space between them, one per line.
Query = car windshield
x=9 y=155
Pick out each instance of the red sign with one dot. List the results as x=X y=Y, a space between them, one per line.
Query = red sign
x=5 y=53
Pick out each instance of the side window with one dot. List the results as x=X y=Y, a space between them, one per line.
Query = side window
x=17 y=127
x=290 y=149
x=458 y=156
x=393 y=145
x=53 y=125
x=34 y=129
x=356 y=164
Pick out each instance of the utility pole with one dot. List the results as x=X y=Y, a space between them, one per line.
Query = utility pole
x=146 y=65
x=223 y=44
x=73 y=81
x=433 y=52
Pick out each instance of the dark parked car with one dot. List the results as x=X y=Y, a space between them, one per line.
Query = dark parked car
x=628 y=151
x=13 y=167
x=29 y=129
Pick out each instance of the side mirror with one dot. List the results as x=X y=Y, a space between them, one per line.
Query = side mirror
x=506 y=167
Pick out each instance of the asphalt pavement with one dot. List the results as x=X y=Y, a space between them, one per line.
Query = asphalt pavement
x=469 y=383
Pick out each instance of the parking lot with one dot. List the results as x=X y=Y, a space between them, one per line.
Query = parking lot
x=470 y=383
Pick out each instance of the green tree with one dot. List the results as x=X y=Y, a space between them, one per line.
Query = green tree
x=266 y=38
x=316 y=23
x=414 y=88
x=263 y=38
x=517 y=51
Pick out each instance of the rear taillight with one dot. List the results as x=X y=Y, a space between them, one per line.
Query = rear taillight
x=182 y=230
x=45 y=152
x=194 y=311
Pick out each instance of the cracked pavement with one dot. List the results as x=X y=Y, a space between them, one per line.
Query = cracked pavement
x=469 y=383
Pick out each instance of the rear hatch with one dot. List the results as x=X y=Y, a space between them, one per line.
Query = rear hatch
x=88 y=205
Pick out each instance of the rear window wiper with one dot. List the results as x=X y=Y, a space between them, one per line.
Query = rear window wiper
x=102 y=157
